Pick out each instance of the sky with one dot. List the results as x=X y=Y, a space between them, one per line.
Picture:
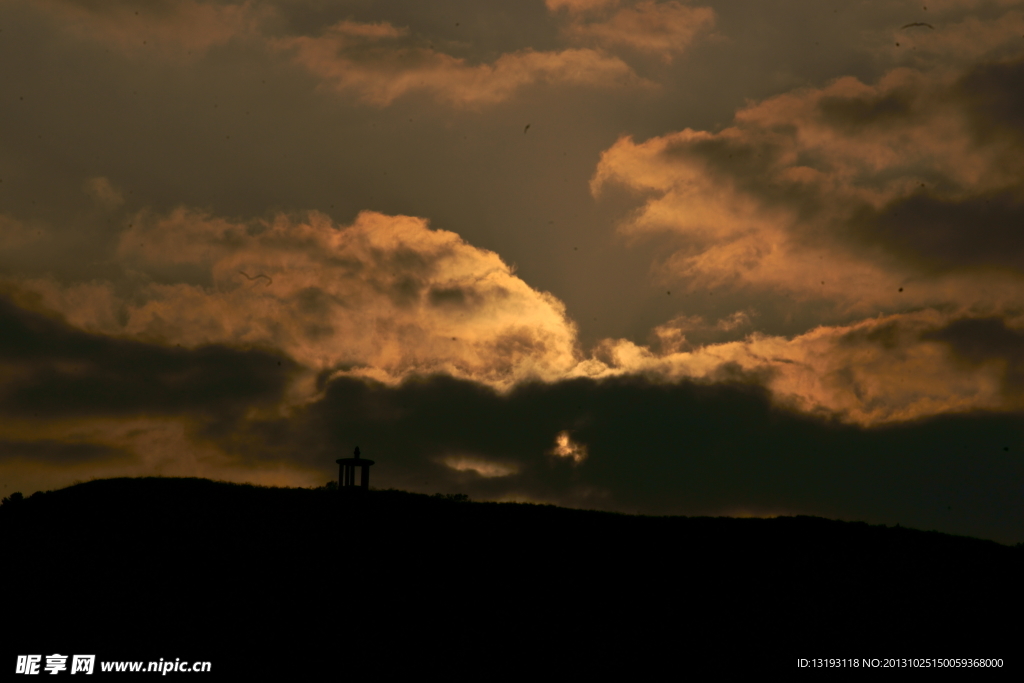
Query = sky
x=703 y=258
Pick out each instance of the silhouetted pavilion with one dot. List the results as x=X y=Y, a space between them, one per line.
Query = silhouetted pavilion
x=347 y=471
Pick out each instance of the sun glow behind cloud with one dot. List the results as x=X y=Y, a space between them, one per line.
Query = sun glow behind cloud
x=253 y=229
x=565 y=447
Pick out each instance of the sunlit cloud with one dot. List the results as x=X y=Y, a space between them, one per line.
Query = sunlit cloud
x=842 y=193
x=663 y=29
x=881 y=370
x=374 y=63
x=481 y=466
x=685 y=331
x=579 y=5
x=384 y=297
x=565 y=447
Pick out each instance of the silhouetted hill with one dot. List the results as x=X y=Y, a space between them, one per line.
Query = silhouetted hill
x=257 y=578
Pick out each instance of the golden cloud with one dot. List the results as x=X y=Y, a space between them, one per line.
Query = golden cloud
x=387 y=297
x=565 y=447
x=664 y=29
x=897 y=204
x=480 y=466
x=578 y=5
x=375 y=61
x=680 y=332
x=826 y=193
x=881 y=370
x=384 y=297
x=371 y=62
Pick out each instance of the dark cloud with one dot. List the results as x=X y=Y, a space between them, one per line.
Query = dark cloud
x=890 y=108
x=941 y=233
x=477 y=30
x=662 y=448
x=63 y=371
x=887 y=336
x=984 y=340
x=996 y=100
x=448 y=296
x=943 y=223
x=947 y=223
x=53 y=452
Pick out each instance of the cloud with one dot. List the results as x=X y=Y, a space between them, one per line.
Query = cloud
x=103 y=192
x=898 y=368
x=54 y=452
x=385 y=296
x=683 y=331
x=565 y=447
x=683 y=447
x=89 y=405
x=663 y=29
x=981 y=342
x=75 y=404
x=579 y=5
x=52 y=369
x=165 y=28
x=50 y=453
x=16 y=234
x=378 y=64
x=88 y=306
x=844 y=193
x=955 y=40
x=479 y=466
x=389 y=298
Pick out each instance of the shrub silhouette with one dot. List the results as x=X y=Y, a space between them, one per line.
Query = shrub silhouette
x=453 y=497
x=12 y=499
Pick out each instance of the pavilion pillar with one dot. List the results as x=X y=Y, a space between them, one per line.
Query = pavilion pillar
x=347 y=473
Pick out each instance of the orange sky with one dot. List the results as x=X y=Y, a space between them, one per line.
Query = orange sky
x=219 y=215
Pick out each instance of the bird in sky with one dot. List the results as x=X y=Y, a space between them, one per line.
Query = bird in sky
x=917 y=23
x=526 y=129
x=256 y=277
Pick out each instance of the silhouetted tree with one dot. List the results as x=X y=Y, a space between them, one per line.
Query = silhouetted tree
x=453 y=497
x=13 y=499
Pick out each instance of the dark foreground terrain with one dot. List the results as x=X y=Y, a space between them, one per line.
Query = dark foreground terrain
x=298 y=583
